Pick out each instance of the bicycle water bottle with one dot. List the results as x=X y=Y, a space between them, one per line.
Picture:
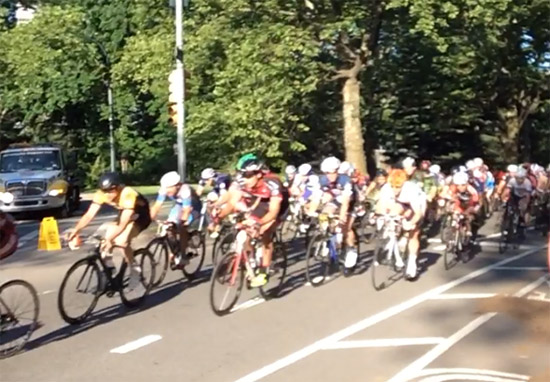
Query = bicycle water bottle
x=258 y=255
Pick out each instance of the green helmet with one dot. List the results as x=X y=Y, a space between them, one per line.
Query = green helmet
x=248 y=162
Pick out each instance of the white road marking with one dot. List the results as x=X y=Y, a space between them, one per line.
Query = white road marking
x=130 y=346
x=414 y=368
x=434 y=240
x=521 y=268
x=440 y=247
x=248 y=304
x=493 y=235
x=460 y=296
x=540 y=296
x=384 y=342
x=476 y=372
x=47 y=292
x=372 y=320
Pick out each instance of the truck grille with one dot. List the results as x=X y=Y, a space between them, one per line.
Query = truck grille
x=31 y=188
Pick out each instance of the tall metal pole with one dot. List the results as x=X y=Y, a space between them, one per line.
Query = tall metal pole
x=181 y=94
x=111 y=127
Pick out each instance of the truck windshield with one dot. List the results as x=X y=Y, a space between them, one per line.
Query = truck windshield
x=30 y=161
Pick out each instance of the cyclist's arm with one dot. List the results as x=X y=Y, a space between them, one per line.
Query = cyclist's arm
x=200 y=189
x=125 y=219
x=273 y=211
x=344 y=208
x=86 y=218
x=185 y=212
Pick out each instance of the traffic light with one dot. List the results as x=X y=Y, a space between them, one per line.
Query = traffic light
x=175 y=88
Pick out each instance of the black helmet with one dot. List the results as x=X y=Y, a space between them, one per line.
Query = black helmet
x=109 y=181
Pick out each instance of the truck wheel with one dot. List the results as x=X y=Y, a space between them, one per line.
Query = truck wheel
x=64 y=211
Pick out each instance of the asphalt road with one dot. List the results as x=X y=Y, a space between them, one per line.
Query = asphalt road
x=433 y=329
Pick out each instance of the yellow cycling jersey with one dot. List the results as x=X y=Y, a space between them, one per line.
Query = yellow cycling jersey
x=128 y=199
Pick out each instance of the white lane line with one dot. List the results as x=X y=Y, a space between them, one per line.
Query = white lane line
x=440 y=247
x=434 y=240
x=414 y=368
x=384 y=342
x=521 y=268
x=493 y=235
x=141 y=342
x=372 y=320
x=248 y=304
x=476 y=372
x=47 y=292
x=460 y=296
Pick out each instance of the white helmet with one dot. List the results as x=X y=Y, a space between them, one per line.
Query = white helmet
x=521 y=173
x=408 y=162
x=478 y=162
x=304 y=169
x=477 y=173
x=435 y=169
x=512 y=168
x=535 y=168
x=462 y=169
x=170 y=179
x=330 y=164
x=212 y=196
x=290 y=170
x=460 y=178
x=470 y=165
x=313 y=181
x=208 y=173
x=346 y=168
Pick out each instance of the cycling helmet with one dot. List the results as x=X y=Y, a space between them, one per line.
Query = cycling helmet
x=246 y=159
x=249 y=163
x=330 y=164
x=170 y=179
x=477 y=173
x=460 y=178
x=408 y=162
x=397 y=178
x=470 y=165
x=435 y=169
x=462 y=169
x=381 y=172
x=346 y=168
x=304 y=169
x=290 y=170
x=521 y=173
x=535 y=168
x=512 y=168
x=208 y=173
x=478 y=162
x=109 y=181
x=313 y=181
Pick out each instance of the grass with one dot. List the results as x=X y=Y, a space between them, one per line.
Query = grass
x=143 y=190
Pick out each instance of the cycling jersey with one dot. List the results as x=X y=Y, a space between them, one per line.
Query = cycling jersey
x=268 y=187
x=424 y=180
x=478 y=184
x=463 y=200
x=411 y=196
x=340 y=188
x=185 y=197
x=221 y=183
x=520 y=190
x=128 y=199
x=490 y=181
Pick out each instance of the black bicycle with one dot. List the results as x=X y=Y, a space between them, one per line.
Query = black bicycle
x=90 y=278
x=19 y=308
x=509 y=227
x=165 y=248
x=457 y=241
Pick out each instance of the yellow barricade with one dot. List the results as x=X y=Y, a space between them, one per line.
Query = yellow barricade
x=48 y=237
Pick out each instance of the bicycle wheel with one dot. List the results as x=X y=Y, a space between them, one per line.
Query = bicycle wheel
x=19 y=309
x=196 y=249
x=383 y=270
x=79 y=291
x=132 y=297
x=317 y=260
x=451 y=249
x=289 y=230
x=347 y=272
x=223 y=246
x=227 y=280
x=366 y=230
x=277 y=272
x=504 y=239
x=159 y=249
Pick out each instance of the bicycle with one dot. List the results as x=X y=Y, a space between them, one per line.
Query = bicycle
x=390 y=254
x=509 y=227
x=457 y=241
x=165 y=248
x=225 y=236
x=94 y=278
x=230 y=271
x=18 y=316
x=364 y=222
x=327 y=250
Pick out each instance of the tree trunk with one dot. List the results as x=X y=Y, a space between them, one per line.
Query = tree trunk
x=353 y=134
x=511 y=127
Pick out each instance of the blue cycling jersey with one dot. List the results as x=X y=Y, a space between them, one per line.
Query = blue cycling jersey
x=221 y=183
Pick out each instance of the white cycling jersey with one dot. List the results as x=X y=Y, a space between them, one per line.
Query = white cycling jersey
x=520 y=189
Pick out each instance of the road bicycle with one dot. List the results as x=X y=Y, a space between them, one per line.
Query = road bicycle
x=457 y=241
x=90 y=278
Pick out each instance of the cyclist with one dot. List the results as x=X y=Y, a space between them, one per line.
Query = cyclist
x=336 y=193
x=211 y=178
x=290 y=174
x=373 y=189
x=420 y=177
x=299 y=186
x=519 y=190
x=465 y=199
x=133 y=218
x=511 y=171
x=186 y=209
x=405 y=198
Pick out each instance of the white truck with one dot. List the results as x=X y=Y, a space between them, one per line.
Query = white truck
x=38 y=177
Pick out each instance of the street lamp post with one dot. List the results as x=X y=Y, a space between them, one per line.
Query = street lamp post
x=181 y=94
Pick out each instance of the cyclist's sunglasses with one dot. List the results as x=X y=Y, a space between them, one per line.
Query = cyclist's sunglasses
x=249 y=174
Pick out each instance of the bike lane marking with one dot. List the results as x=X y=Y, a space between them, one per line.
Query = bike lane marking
x=374 y=319
x=139 y=343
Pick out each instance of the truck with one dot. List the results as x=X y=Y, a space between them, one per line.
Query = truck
x=38 y=177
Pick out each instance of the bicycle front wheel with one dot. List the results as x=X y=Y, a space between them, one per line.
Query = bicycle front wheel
x=79 y=291
x=196 y=249
x=159 y=250
x=450 y=257
x=277 y=272
x=226 y=284
x=131 y=295
x=19 y=309
x=317 y=260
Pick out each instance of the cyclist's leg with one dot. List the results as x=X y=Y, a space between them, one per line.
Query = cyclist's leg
x=124 y=241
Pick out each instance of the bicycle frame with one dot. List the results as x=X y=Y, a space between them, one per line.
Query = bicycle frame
x=241 y=257
x=392 y=231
